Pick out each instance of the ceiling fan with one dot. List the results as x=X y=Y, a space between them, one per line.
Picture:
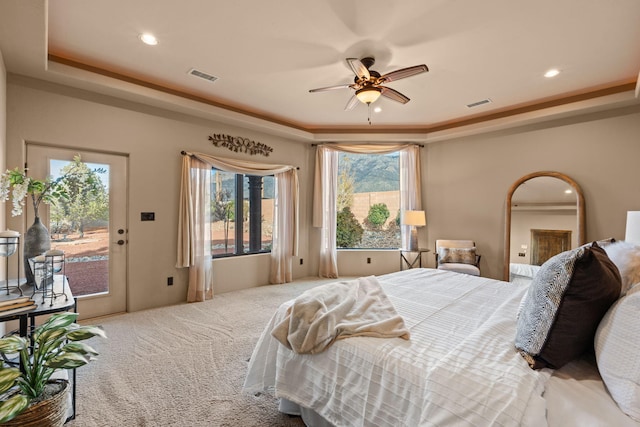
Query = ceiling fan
x=368 y=83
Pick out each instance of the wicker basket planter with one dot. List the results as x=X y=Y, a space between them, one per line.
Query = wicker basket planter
x=50 y=412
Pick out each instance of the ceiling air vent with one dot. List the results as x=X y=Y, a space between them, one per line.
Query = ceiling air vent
x=479 y=103
x=202 y=75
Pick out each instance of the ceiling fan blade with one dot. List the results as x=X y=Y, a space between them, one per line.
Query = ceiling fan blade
x=394 y=95
x=403 y=73
x=353 y=101
x=323 y=89
x=358 y=68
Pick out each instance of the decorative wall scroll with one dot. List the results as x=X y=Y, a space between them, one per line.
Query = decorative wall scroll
x=239 y=144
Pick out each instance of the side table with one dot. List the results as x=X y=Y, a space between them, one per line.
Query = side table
x=27 y=320
x=410 y=262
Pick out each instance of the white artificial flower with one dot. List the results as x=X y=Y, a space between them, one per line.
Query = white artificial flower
x=18 y=194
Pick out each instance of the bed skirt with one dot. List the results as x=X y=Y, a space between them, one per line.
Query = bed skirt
x=310 y=417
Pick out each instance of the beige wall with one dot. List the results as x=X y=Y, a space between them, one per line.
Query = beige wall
x=464 y=180
x=51 y=114
x=3 y=126
x=3 y=133
x=523 y=221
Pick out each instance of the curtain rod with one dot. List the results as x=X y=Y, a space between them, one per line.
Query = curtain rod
x=364 y=143
x=184 y=153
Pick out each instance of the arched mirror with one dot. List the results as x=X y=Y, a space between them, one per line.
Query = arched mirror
x=544 y=216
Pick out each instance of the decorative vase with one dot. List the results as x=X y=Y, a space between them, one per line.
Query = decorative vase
x=51 y=412
x=37 y=241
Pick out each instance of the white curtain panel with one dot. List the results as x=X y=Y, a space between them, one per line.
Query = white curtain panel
x=328 y=160
x=285 y=236
x=410 y=187
x=326 y=190
x=194 y=227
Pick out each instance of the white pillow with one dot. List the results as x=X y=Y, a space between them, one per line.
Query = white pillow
x=626 y=257
x=617 y=346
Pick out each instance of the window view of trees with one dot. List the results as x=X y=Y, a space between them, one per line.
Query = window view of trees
x=79 y=224
x=87 y=201
x=250 y=198
x=368 y=201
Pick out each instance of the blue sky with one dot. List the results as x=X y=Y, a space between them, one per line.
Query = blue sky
x=55 y=166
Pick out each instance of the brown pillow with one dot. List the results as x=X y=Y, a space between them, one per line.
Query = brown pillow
x=564 y=305
x=457 y=255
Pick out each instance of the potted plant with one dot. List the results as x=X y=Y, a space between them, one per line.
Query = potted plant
x=27 y=391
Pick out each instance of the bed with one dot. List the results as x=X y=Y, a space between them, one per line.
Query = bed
x=459 y=366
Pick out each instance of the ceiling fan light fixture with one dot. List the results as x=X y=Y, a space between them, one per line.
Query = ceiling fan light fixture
x=368 y=95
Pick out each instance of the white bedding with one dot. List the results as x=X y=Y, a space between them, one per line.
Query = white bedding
x=339 y=310
x=575 y=396
x=460 y=366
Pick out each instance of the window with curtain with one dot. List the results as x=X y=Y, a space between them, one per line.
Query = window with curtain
x=326 y=190
x=368 y=201
x=242 y=208
x=194 y=217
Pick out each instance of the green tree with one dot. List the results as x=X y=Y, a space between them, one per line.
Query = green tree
x=87 y=197
x=378 y=215
x=222 y=209
x=344 y=199
x=348 y=229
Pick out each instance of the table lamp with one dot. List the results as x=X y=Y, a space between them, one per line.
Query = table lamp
x=633 y=228
x=414 y=219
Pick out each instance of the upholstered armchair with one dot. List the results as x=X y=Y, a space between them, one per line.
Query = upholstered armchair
x=458 y=255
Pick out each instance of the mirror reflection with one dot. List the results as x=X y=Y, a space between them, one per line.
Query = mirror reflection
x=545 y=216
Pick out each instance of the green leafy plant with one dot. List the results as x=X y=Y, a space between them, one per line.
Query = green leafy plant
x=378 y=215
x=56 y=345
x=348 y=229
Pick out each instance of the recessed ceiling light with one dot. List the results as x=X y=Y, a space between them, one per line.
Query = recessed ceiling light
x=552 y=73
x=377 y=110
x=149 y=39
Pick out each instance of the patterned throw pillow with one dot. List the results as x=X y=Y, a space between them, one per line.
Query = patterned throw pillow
x=617 y=345
x=457 y=255
x=564 y=305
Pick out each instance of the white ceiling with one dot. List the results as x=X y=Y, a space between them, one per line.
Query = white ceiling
x=268 y=54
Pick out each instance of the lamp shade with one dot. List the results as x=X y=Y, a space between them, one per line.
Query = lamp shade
x=368 y=95
x=633 y=228
x=415 y=218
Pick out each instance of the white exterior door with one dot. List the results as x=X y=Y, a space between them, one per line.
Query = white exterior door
x=92 y=232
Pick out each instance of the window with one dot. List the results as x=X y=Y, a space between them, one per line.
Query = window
x=241 y=213
x=368 y=201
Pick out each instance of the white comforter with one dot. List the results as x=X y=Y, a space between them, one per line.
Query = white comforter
x=459 y=368
x=339 y=310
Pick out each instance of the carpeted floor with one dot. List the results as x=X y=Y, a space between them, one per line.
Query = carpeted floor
x=183 y=365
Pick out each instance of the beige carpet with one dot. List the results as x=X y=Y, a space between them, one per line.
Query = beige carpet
x=183 y=365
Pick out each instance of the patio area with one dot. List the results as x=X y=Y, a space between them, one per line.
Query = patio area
x=86 y=260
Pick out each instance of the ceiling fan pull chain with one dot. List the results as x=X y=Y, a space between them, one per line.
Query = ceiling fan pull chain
x=369 y=113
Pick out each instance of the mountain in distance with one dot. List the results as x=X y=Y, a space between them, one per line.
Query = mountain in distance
x=372 y=172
